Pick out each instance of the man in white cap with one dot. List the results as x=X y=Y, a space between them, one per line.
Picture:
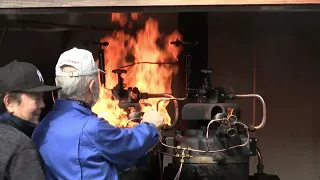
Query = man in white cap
x=73 y=141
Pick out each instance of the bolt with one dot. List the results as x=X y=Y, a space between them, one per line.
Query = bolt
x=178 y=133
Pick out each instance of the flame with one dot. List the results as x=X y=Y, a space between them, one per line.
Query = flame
x=143 y=50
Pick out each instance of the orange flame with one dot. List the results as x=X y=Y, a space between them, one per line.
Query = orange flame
x=148 y=76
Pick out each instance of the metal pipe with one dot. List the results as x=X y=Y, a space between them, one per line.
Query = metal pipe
x=264 y=108
x=176 y=105
x=260 y=166
x=102 y=67
x=259 y=156
x=188 y=59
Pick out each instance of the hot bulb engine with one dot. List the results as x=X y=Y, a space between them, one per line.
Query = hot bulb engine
x=209 y=143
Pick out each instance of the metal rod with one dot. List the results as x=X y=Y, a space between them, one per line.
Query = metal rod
x=2 y=35
x=254 y=84
x=264 y=108
x=188 y=71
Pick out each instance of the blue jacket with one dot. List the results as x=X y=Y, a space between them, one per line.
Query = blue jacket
x=75 y=144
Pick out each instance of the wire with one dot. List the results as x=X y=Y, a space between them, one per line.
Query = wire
x=181 y=164
x=207 y=134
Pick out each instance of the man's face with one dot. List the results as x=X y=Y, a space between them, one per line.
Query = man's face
x=29 y=107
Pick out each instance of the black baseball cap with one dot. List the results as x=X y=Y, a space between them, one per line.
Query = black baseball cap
x=22 y=76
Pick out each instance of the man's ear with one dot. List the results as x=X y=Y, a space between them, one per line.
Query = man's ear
x=7 y=101
x=91 y=86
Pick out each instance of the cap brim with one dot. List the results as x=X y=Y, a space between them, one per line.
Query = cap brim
x=44 y=88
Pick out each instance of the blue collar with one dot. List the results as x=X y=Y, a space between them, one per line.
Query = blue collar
x=66 y=105
x=22 y=125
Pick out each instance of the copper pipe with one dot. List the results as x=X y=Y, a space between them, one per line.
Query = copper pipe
x=264 y=108
x=176 y=105
x=254 y=84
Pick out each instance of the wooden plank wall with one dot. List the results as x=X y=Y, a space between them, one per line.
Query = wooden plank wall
x=108 y=3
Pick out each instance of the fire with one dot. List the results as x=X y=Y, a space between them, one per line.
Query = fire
x=125 y=49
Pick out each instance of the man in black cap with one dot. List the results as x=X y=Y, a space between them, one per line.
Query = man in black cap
x=21 y=91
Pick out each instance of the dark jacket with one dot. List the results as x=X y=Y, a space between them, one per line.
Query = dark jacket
x=18 y=157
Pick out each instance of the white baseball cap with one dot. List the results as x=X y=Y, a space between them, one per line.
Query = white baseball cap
x=80 y=59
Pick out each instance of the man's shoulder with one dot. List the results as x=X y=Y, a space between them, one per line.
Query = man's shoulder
x=9 y=133
x=13 y=140
x=91 y=122
x=70 y=119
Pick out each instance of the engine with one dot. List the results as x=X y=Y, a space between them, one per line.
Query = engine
x=209 y=142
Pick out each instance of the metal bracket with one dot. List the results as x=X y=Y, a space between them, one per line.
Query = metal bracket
x=253 y=146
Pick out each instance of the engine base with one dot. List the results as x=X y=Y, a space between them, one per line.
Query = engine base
x=207 y=171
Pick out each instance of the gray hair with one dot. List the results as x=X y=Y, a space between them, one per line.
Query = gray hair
x=13 y=96
x=73 y=87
